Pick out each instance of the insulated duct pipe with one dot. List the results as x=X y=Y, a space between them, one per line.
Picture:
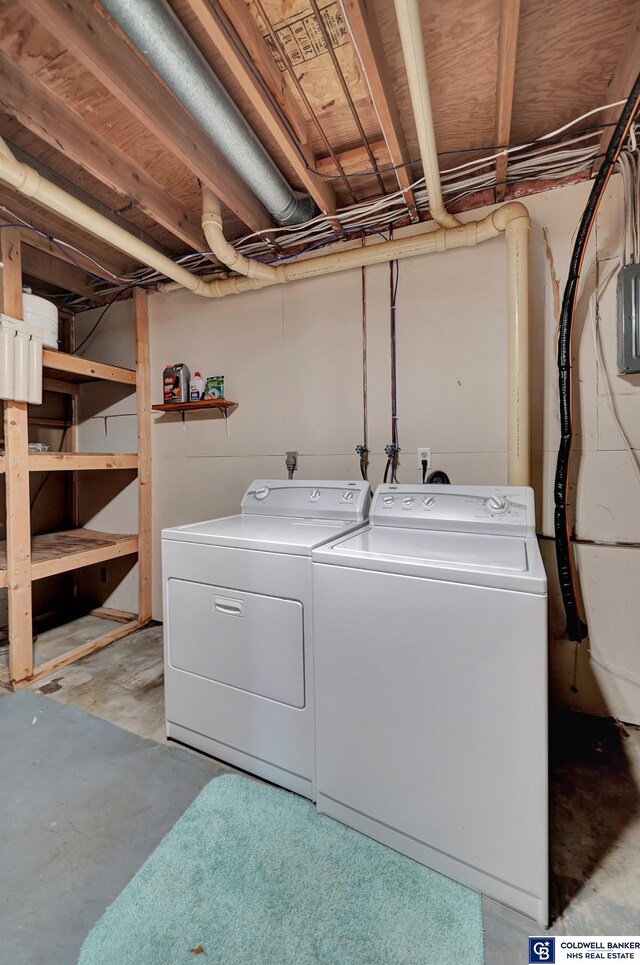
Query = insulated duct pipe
x=157 y=33
x=511 y=219
x=410 y=26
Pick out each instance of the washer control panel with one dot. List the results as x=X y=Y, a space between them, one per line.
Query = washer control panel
x=321 y=499
x=464 y=509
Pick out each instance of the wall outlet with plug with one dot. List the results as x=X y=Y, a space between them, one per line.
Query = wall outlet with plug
x=424 y=453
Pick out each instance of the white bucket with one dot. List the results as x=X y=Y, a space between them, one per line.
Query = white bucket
x=43 y=314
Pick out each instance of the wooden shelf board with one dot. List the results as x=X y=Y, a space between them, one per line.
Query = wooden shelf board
x=70 y=368
x=52 y=461
x=194 y=406
x=41 y=670
x=60 y=552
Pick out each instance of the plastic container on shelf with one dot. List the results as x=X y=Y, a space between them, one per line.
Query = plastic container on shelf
x=196 y=388
x=43 y=314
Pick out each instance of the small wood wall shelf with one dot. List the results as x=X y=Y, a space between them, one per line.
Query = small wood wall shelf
x=224 y=405
x=194 y=406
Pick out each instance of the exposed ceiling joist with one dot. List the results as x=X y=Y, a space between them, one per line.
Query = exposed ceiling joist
x=52 y=225
x=622 y=80
x=49 y=248
x=49 y=118
x=355 y=160
x=97 y=45
x=363 y=26
x=301 y=158
x=507 y=48
x=246 y=29
x=62 y=182
x=44 y=267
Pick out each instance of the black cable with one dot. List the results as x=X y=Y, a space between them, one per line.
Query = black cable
x=101 y=316
x=425 y=466
x=576 y=627
x=386 y=471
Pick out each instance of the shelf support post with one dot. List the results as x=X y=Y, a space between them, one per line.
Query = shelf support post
x=16 y=436
x=143 y=395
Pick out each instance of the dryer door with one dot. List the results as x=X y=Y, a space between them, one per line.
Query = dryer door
x=244 y=640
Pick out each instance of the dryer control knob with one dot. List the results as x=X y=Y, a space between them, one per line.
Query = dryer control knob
x=407 y=500
x=429 y=501
x=497 y=504
x=262 y=493
x=387 y=500
x=315 y=494
x=347 y=495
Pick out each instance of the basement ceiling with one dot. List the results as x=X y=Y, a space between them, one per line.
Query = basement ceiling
x=80 y=104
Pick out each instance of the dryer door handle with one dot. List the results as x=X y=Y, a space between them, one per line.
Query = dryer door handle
x=232 y=608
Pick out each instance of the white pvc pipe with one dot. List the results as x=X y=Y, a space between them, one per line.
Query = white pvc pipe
x=410 y=26
x=511 y=219
x=223 y=250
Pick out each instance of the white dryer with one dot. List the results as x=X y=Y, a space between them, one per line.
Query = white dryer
x=431 y=685
x=238 y=627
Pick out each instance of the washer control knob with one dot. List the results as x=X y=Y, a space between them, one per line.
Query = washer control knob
x=429 y=501
x=347 y=495
x=497 y=504
x=407 y=500
x=315 y=494
x=262 y=493
x=388 y=500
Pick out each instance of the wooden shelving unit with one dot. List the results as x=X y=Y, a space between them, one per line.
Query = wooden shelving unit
x=25 y=558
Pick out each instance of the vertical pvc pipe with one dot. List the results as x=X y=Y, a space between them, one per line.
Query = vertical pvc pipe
x=519 y=428
x=410 y=26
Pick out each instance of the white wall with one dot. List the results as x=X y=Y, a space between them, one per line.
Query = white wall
x=292 y=359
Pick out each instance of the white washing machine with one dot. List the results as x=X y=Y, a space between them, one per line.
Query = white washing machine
x=238 y=626
x=431 y=685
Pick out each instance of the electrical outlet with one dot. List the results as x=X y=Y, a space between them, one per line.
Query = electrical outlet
x=424 y=453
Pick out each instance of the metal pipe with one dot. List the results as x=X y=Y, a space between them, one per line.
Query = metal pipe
x=155 y=30
x=410 y=26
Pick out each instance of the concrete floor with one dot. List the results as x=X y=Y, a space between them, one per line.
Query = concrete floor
x=595 y=798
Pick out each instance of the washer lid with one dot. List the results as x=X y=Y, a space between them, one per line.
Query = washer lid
x=271 y=534
x=504 y=562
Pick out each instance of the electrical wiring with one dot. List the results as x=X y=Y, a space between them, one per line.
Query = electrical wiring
x=46 y=478
x=100 y=317
x=546 y=158
x=576 y=628
x=23 y=226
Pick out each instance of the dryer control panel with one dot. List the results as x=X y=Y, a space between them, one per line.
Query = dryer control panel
x=308 y=499
x=508 y=510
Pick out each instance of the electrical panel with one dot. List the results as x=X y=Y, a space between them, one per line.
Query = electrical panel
x=629 y=319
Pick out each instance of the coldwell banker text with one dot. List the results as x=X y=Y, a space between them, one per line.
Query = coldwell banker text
x=600 y=949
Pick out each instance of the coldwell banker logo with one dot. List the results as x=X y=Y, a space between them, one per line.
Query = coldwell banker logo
x=542 y=950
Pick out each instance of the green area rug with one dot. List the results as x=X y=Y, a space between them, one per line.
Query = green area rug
x=252 y=875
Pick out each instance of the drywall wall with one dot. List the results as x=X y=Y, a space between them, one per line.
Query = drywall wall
x=107 y=422
x=292 y=359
